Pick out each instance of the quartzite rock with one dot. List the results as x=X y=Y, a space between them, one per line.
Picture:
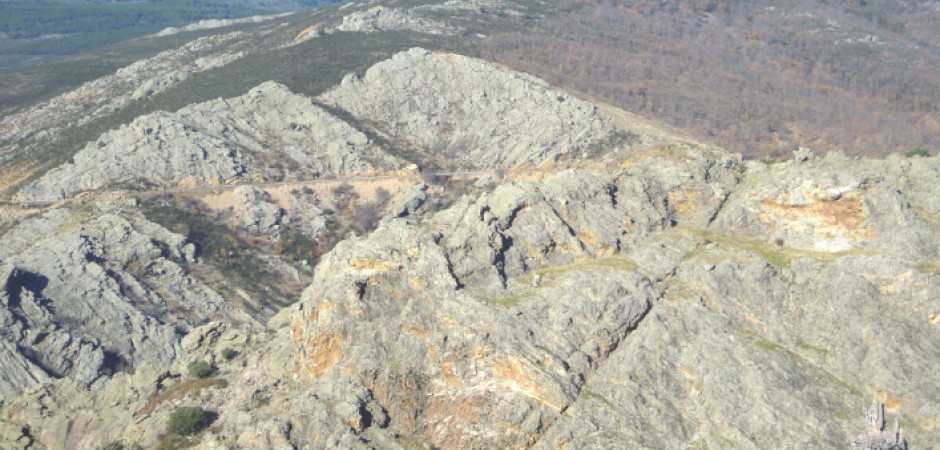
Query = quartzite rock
x=216 y=142
x=462 y=108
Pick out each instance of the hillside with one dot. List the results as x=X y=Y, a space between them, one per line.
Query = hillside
x=363 y=227
x=32 y=33
x=760 y=78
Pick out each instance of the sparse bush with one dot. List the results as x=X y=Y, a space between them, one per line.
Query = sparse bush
x=366 y=217
x=382 y=196
x=188 y=420
x=433 y=178
x=297 y=246
x=343 y=189
x=229 y=354
x=201 y=369
x=922 y=152
x=345 y=197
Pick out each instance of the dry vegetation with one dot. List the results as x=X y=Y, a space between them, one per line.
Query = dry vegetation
x=177 y=392
x=759 y=77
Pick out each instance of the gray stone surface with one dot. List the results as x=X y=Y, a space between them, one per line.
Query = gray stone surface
x=678 y=298
x=461 y=108
x=220 y=141
x=380 y=18
x=88 y=295
x=838 y=203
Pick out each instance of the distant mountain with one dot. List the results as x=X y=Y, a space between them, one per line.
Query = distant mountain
x=33 y=32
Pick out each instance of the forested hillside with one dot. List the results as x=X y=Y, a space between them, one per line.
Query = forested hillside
x=759 y=77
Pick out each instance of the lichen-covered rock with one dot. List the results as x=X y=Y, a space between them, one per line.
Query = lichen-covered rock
x=455 y=107
x=569 y=217
x=390 y=318
x=216 y=142
x=86 y=297
x=665 y=296
x=837 y=204
x=756 y=359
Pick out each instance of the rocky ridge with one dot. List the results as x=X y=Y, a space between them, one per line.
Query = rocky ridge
x=86 y=295
x=209 y=24
x=467 y=328
x=107 y=94
x=254 y=136
x=465 y=109
x=381 y=18
x=663 y=293
x=462 y=113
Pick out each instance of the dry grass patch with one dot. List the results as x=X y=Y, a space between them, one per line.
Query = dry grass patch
x=178 y=392
x=932 y=266
x=779 y=256
x=552 y=273
x=506 y=302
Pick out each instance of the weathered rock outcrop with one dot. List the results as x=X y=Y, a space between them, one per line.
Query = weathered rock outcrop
x=380 y=18
x=461 y=108
x=217 y=142
x=837 y=203
x=669 y=297
x=737 y=345
x=756 y=357
x=257 y=214
x=84 y=297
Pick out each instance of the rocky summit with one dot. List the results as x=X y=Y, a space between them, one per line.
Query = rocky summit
x=436 y=251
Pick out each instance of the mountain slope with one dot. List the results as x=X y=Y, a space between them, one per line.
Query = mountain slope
x=372 y=245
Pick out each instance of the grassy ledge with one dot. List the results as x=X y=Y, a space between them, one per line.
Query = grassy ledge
x=779 y=256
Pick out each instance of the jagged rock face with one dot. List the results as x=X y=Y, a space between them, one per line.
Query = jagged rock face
x=676 y=299
x=270 y=119
x=427 y=329
x=83 y=298
x=756 y=357
x=428 y=353
x=839 y=204
x=469 y=110
x=161 y=149
x=215 y=142
x=569 y=217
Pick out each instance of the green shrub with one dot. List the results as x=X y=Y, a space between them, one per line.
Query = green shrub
x=229 y=354
x=917 y=152
x=188 y=420
x=201 y=369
